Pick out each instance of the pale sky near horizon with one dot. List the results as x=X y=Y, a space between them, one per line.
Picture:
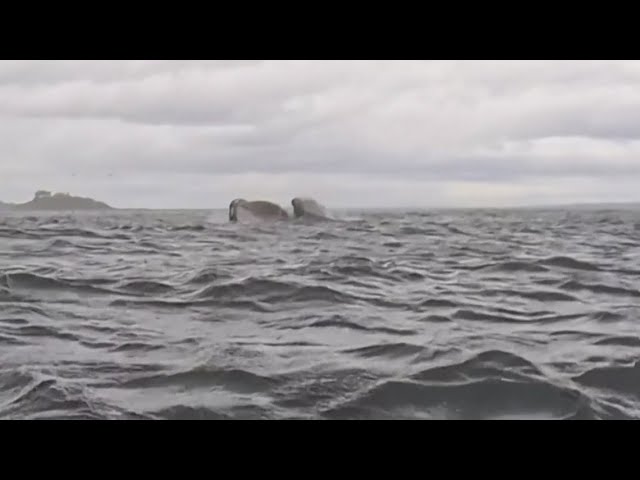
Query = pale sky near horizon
x=196 y=134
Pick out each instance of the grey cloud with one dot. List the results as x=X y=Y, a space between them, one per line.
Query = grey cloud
x=51 y=72
x=513 y=125
x=199 y=94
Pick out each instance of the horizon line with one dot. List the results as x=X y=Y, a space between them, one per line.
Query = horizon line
x=424 y=207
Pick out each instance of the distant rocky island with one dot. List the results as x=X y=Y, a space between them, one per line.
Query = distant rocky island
x=45 y=200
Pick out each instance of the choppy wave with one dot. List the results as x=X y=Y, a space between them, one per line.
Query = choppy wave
x=414 y=315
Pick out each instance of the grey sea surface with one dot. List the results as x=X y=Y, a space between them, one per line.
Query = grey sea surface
x=448 y=314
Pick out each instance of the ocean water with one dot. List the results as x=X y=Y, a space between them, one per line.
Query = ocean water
x=496 y=314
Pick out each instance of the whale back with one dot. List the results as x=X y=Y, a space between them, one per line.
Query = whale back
x=308 y=207
x=240 y=209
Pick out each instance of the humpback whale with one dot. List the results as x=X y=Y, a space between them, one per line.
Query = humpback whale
x=309 y=208
x=241 y=209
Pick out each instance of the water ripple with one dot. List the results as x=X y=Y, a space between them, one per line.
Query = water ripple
x=401 y=315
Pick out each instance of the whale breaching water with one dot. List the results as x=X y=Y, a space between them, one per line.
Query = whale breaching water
x=308 y=208
x=241 y=209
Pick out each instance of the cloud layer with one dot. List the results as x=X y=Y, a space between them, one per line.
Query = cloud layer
x=196 y=134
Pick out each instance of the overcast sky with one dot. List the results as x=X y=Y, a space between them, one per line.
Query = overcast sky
x=196 y=134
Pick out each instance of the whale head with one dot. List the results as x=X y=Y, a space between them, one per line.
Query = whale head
x=233 y=209
x=298 y=207
x=308 y=207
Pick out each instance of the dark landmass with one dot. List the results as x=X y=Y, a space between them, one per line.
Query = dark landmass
x=44 y=200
